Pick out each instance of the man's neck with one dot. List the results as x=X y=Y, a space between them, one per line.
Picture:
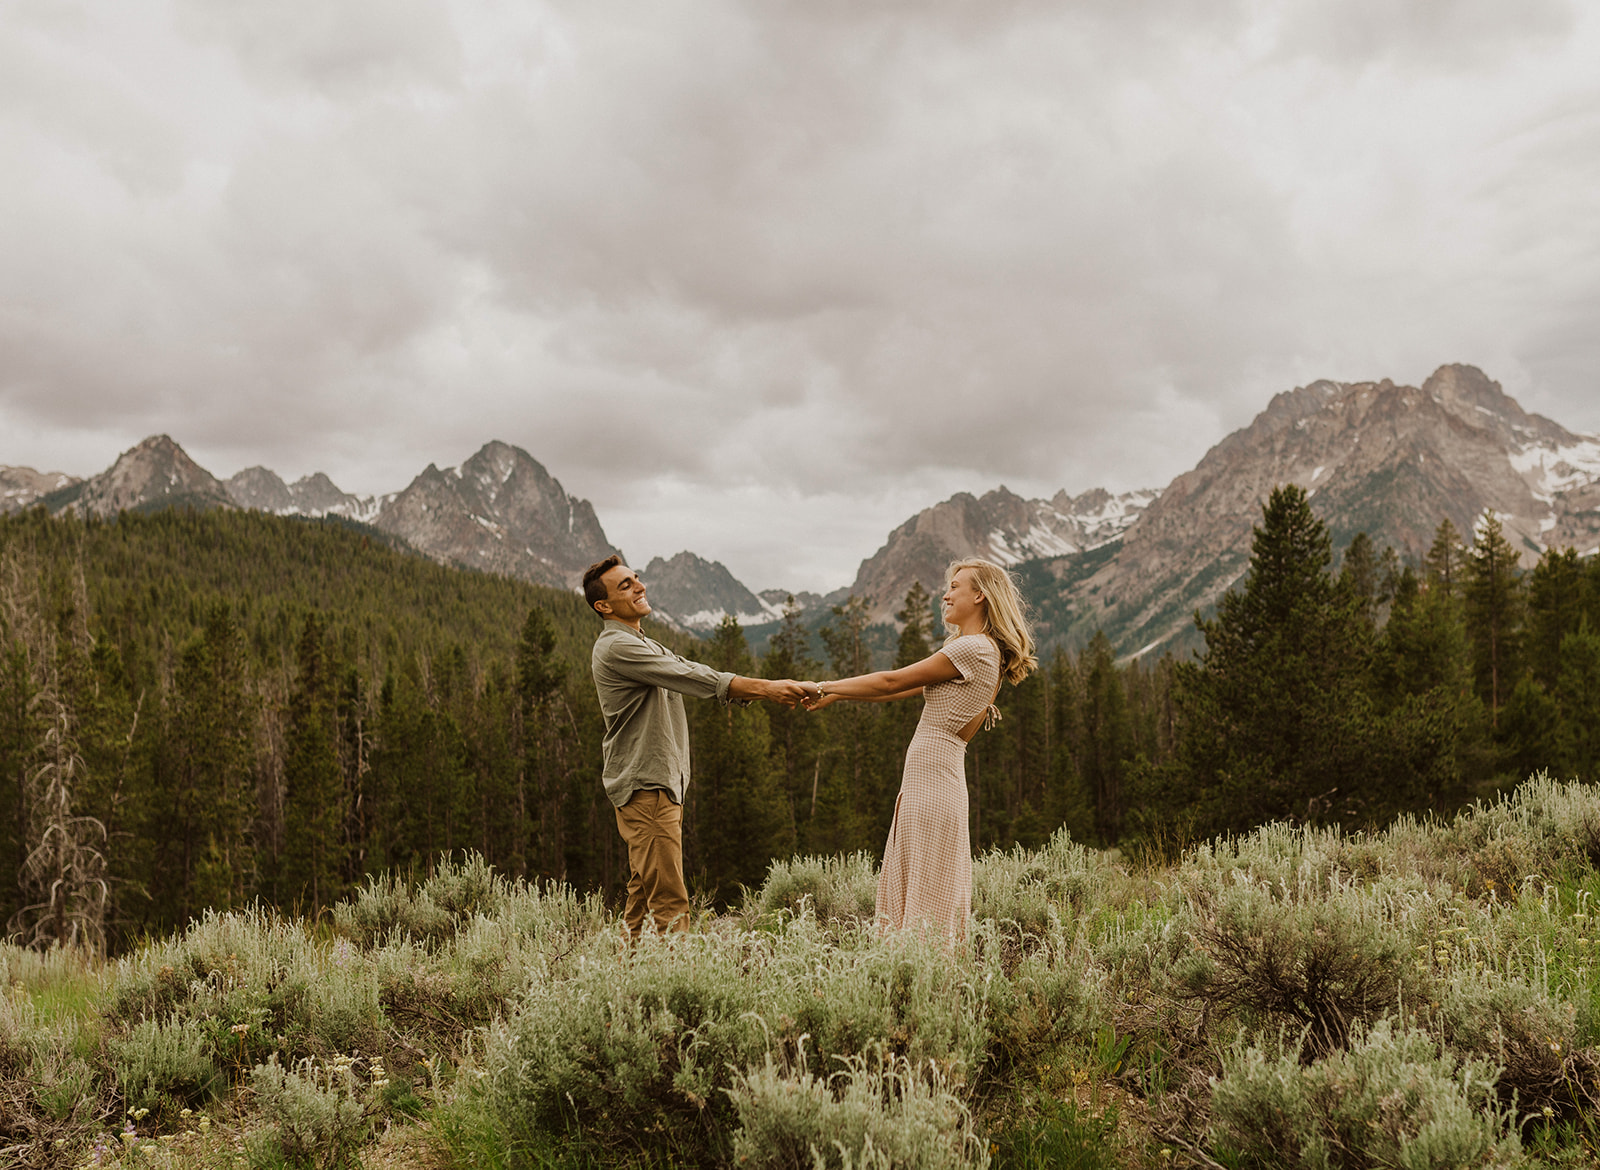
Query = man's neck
x=633 y=625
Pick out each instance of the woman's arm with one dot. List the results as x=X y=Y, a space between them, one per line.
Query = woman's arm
x=883 y=685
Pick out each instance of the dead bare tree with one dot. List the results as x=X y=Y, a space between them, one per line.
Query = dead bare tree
x=63 y=877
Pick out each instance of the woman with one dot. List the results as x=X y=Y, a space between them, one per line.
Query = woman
x=926 y=880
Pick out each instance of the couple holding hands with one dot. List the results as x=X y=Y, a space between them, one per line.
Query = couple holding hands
x=926 y=879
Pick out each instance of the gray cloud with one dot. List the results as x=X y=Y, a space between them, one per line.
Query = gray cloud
x=767 y=279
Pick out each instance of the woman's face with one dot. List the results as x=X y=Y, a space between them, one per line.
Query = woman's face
x=961 y=598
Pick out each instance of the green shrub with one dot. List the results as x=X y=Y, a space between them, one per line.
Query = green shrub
x=1036 y=888
x=257 y=984
x=832 y=888
x=878 y=1112
x=165 y=1066
x=640 y=1050
x=1390 y=1099
x=48 y=1093
x=387 y=906
x=1544 y=1075
x=1321 y=965
x=432 y=911
x=1542 y=827
x=1051 y=999
x=314 y=1110
x=1059 y=1135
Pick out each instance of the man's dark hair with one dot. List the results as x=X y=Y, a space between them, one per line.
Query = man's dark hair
x=594 y=589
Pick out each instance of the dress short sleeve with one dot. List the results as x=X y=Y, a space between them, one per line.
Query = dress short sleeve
x=969 y=653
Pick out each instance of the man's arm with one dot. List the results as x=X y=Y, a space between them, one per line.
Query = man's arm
x=640 y=662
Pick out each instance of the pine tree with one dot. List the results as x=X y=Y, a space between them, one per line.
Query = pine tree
x=1493 y=592
x=1577 y=739
x=544 y=733
x=1558 y=594
x=1108 y=738
x=735 y=819
x=916 y=626
x=1360 y=576
x=1446 y=558
x=796 y=734
x=1277 y=721
x=203 y=803
x=846 y=808
x=310 y=868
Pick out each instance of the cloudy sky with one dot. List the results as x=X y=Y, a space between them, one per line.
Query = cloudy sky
x=763 y=279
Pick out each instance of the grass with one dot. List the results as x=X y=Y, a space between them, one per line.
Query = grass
x=1424 y=996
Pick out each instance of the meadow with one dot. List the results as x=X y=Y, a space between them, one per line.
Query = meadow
x=1420 y=996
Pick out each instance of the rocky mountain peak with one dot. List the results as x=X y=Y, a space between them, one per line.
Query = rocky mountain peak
x=23 y=487
x=695 y=594
x=1375 y=457
x=155 y=474
x=317 y=494
x=501 y=512
x=259 y=489
x=263 y=490
x=1000 y=526
x=1470 y=395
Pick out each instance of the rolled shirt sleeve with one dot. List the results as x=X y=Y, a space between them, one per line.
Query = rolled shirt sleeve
x=641 y=685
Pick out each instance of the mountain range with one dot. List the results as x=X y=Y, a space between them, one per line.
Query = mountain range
x=499 y=512
x=1387 y=459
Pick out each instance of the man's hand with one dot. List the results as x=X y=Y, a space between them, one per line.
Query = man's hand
x=783 y=690
x=787 y=691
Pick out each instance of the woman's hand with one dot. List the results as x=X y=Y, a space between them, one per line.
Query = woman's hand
x=815 y=699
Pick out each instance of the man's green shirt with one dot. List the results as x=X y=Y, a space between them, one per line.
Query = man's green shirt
x=641 y=686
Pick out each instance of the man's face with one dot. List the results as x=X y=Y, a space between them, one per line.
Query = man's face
x=625 y=598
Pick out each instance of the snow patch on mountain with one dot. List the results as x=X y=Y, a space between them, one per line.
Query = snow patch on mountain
x=1551 y=468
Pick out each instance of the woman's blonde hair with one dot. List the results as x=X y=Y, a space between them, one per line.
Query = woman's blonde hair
x=1004 y=618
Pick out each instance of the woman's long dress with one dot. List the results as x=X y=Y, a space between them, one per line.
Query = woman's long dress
x=926 y=880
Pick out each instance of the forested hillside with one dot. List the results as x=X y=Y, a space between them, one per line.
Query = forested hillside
x=205 y=709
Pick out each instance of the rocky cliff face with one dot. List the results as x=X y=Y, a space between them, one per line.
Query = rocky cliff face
x=1389 y=460
x=156 y=474
x=1001 y=526
x=694 y=594
x=262 y=490
x=23 y=487
x=500 y=512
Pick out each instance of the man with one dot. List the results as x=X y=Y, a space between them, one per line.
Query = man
x=646 y=747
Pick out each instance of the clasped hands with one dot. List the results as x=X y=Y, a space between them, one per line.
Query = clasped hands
x=790 y=693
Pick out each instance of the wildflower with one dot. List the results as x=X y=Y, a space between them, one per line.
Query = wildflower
x=1547 y=1111
x=1555 y=1047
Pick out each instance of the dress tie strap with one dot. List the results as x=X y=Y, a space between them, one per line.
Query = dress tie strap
x=991 y=717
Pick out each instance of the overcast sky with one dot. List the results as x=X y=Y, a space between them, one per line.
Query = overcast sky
x=761 y=280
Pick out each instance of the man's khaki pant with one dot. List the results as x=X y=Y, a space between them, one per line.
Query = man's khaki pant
x=651 y=824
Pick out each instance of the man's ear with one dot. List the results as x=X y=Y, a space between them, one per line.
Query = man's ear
x=603 y=607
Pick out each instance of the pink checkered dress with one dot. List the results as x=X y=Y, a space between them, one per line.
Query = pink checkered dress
x=926 y=880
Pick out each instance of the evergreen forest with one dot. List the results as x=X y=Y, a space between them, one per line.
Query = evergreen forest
x=213 y=709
